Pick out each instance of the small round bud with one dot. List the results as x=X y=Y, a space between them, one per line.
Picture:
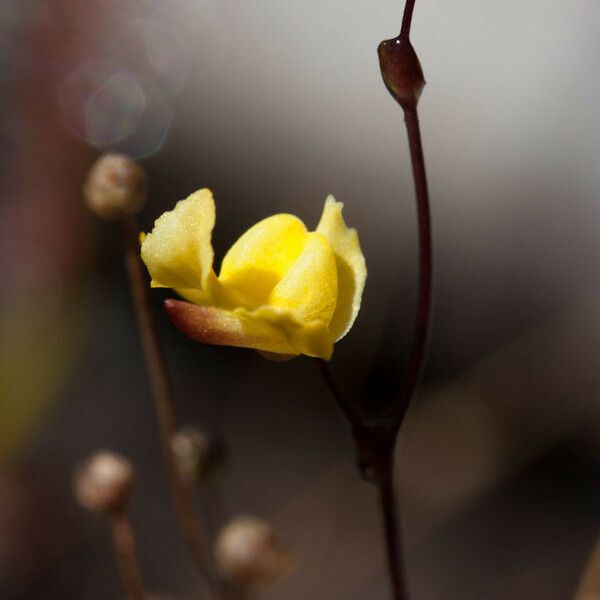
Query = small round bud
x=115 y=187
x=401 y=71
x=103 y=482
x=196 y=454
x=249 y=553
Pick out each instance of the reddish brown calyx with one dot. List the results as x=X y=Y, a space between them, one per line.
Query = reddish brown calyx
x=401 y=71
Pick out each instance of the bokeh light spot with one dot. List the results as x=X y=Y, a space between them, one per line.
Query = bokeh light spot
x=114 y=111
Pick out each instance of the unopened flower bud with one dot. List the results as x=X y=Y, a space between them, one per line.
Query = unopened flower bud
x=103 y=482
x=196 y=454
x=115 y=187
x=401 y=71
x=249 y=553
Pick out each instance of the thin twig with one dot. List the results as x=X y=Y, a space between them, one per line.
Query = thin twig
x=124 y=543
x=163 y=396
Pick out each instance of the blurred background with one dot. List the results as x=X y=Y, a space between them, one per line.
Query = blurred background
x=274 y=105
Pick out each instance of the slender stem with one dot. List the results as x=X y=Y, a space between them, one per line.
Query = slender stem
x=375 y=443
x=163 y=396
x=407 y=19
x=420 y=335
x=415 y=366
x=393 y=544
x=343 y=404
x=404 y=79
x=129 y=567
x=423 y=317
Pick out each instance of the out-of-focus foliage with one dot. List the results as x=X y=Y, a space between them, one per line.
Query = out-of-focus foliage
x=37 y=349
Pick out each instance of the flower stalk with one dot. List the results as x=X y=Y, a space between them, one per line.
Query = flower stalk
x=402 y=74
x=423 y=317
x=392 y=533
x=124 y=543
x=103 y=484
x=163 y=395
x=346 y=408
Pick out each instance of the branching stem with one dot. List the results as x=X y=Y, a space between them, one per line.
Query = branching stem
x=345 y=407
x=375 y=442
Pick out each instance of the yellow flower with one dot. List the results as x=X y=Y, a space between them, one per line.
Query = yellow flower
x=282 y=289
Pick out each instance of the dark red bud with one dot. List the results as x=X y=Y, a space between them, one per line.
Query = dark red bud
x=401 y=71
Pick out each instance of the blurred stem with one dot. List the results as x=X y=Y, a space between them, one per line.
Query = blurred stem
x=129 y=567
x=165 y=408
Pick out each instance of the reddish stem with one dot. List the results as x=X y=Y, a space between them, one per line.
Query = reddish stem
x=407 y=19
x=165 y=408
x=345 y=407
x=129 y=567
x=393 y=543
x=423 y=317
x=375 y=442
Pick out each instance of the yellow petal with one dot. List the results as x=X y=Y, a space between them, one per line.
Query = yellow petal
x=178 y=252
x=267 y=329
x=309 y=289
x=351 y=268
x=261 y=257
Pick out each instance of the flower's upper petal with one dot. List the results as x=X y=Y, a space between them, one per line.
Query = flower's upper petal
x=261 y=257
x=351 y=268
x=309 y=289
x=267 y=328
x=178 y=252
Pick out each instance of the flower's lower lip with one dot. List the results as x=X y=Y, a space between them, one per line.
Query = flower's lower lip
x=201 y=323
